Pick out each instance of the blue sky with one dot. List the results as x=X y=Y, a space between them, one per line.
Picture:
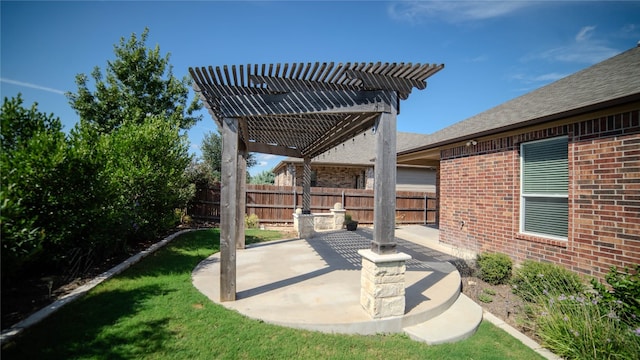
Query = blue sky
x=493 y=51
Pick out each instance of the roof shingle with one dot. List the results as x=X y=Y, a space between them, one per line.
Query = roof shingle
x=615 y=78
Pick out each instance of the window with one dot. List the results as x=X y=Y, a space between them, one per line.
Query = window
x=314 y=178
x=544 y=184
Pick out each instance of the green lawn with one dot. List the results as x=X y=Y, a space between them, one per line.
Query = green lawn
x=152 y=311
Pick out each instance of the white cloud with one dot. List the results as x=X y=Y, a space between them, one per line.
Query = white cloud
x=267 y=157
x=583 y=52
x=537 y=79
x=32 y=86
x=586 y=48
x=585 y=33
x=480 y=58
x=454 y=11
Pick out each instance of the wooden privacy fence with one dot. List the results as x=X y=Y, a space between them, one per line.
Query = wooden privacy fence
x=276 y=204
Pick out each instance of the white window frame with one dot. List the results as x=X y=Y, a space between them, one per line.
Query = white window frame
x=524 y=196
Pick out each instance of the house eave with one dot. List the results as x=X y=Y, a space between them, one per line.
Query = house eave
x=540 y=120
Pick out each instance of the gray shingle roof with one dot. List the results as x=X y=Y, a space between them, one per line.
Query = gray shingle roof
x=362 y=149
x=615 y=78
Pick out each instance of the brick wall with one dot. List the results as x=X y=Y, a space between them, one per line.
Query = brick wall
x=480 y=196
x=329 y=176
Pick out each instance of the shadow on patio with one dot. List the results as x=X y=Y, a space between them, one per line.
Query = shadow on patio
x=315 y=284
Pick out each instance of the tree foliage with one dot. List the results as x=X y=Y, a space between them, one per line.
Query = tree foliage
x=19 y=124
x=138 y=83
x=265 y=177
x=117 y=178
x=33 y=148
x=211 y=148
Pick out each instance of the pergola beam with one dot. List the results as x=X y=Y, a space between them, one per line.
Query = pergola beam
x=316 y=102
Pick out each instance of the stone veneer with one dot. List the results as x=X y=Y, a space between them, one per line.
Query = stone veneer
x=382 y=288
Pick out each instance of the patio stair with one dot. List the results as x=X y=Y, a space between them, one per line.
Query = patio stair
x=458 y=322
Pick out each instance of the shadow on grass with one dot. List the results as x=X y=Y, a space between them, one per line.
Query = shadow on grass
x=103 y=325
x=180 y=256
x=106 y=323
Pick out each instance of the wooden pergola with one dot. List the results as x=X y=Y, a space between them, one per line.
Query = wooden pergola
x=302 y=110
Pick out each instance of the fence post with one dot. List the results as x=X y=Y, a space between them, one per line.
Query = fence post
x=426 y=206
x=295 y=198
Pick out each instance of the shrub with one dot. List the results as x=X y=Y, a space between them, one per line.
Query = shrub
x=33 y=151
x=535 y=279
x=251 y=221
x=573 y=321
x=625 y=292
x=494 y=268
x=489 y=291
x=347 y=218
x=585 y=327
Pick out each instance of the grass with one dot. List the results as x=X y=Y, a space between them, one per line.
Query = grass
x=152 y=311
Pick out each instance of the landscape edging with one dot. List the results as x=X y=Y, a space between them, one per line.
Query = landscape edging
x=46 y=311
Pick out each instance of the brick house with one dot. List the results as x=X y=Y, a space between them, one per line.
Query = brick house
x=553 y=175
x=350 y=165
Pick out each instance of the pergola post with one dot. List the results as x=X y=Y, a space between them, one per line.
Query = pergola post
x=306 y=186
x=303 y=219
x=382 y=291
x=241 y=194
x=229 y=209
x=384 y=186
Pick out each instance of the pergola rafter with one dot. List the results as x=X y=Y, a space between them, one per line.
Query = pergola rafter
x=302 y=110
x=325 y=96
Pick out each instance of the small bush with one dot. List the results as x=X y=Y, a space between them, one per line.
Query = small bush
x=575 y=322
x=494 y=268
x=625 y=291
x=251 y=221
x=585 y=327
x=485 y=298
x=536 y=279
x=347 y=218
x=489 y=291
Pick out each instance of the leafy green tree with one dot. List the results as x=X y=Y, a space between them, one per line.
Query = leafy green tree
x=138 y=83
x=211 y=148
x=265 y=177
x=130 y=150
x=19 y=124
x=200 y=174
x=33 y=148
x=150 y=186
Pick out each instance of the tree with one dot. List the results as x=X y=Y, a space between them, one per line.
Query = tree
x=33 y=147
x=19 y=124
x=211 y=148
x=139 y=83
x=130 y=145
x=265 y=177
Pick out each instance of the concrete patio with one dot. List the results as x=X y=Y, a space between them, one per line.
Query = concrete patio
x=314 y=284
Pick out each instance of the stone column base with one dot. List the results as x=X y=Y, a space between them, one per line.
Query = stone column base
x=303 y=224
x=382 y=290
